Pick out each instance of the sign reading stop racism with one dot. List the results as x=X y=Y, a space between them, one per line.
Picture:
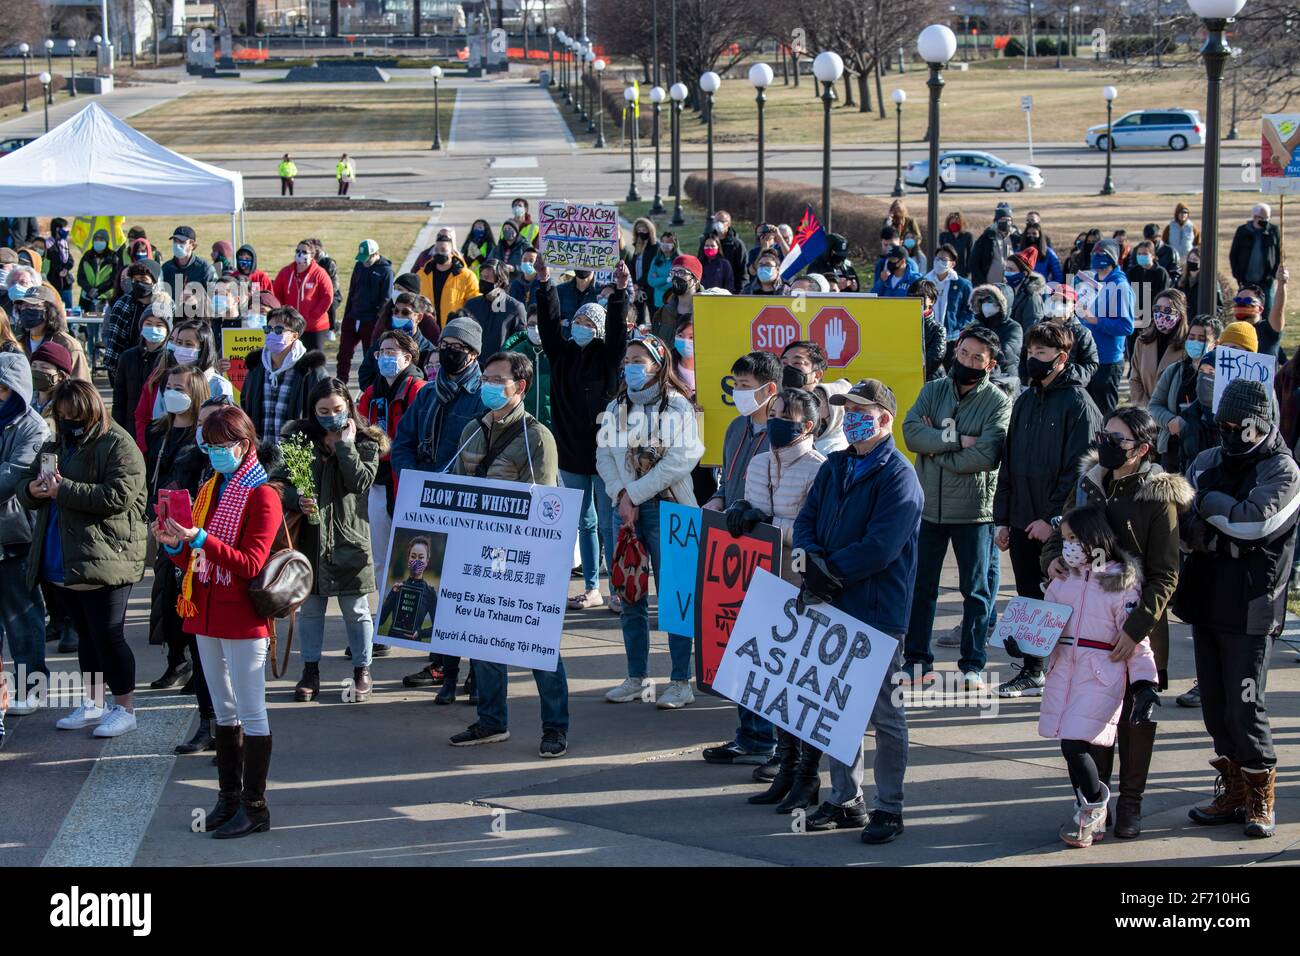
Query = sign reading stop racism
x=773 y=329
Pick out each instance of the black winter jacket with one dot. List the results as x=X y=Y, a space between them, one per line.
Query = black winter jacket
x=311 y=369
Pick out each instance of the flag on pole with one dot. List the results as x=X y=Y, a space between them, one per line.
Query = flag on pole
x=809 y=243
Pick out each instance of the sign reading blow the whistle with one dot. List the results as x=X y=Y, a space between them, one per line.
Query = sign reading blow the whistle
x=815 y=673
x=578 y=235
x=1034 y=625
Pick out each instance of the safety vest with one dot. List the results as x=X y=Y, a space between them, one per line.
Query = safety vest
x=84 y=228
x=345 y=170
x=288 y=170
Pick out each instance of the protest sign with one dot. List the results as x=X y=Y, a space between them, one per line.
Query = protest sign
x=816 y=674
x=479 y=568
x=863 y=337
x=1230 y=364
x=679 y=558
x=1280 y=153
x=1034 y=625
x=235 y=346
x=578 y=235
x=726 y=567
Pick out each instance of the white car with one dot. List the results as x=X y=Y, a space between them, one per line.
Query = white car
x=1151 y=129
x=969 y=169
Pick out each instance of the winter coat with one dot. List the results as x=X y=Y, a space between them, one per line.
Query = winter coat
x=963 y=242
x=1181 y=238
x=1083 y=354
x=134 y=367
x=984 y=254
x=97 y=277
x=895 y=288
x=80 y=367
x=310 y=292
x=830 y=430
x=527 y=457
x=459 y=288
x=777 y=483
x=572 y=298
x=339 y=546
x=369 y=288
x=385 y=413
x=673 y=440
x=1049 y=266
x=1051 y=429
x=58 y=269
x=1240 y=532
x=664 y=322
x=1143 y=510
x=255 y=276
x=121 y=330
x=1027 y=305
x=659 y=278
x=368 y=373
x=198 y=270
x=1010 y=339
x=416 y=445
x=498 y=321
x=717 y=274
x=958 y=483
x=1113 y=312
x=583 y=380
x=537 y=401
x=310 y=369
x=733 y=251
x=17 y=231
x=935 y=346
x=1084 y=689
x=863 y=516
x=740 y=444
x=957 y=314
x=1164 y=404
x=1243 y=241
x=101 y=508
x=524 y=291
x=20 y=443
x=754 y=287
x=1148 y=365
x=511 y=255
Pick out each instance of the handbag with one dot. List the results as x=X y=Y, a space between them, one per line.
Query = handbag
x=630 y=574
x=278 y=590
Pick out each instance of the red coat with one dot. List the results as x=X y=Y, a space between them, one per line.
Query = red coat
x=224 y=610
x=311 y=293
x=397 y=405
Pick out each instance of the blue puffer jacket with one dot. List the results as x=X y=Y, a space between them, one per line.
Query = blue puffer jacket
x=890 y=288
x=865 y=523
x=415 y=445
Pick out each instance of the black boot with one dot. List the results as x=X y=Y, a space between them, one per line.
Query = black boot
x=176 y=673
x=807 y=784
x=230 y=775
x=308 y=687
x=253 y=815
x=450 y=674
x=1136 y=743
x=202 y=739
x=787 y=755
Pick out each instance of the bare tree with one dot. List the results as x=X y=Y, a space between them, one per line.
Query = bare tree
x=1267 y=32
x=23 y=20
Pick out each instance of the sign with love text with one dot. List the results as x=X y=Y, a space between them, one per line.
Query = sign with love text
x=1034 y=625
x=578 y=235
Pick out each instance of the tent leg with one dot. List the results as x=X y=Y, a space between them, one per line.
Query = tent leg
x=234 y=238
x=243 y=233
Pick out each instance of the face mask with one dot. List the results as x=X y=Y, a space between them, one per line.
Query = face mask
x=643 y=236
x=1012 y=276
x=783 y=433
x=710 y=252
x=220 y=303
x=484 y=286
x=859 y=426
x=1165 y=321
x=528 y=269
x=417 y=568
x=767 y=273
x=1031 y=240
x=1205 y=389
x=493 y=396
x=64 y=233
x=747 y=402
x=275 y=343
x=603 y=301
x=719 y=227
x=99 y=245
x=1074 y=554
x=403 y=323
x=1194 y=348
x=1111 y=456
x=965 y=375
x=636 y=377
x=685 y=347
x=1234 y=442
x=1193 y=265
x=507 y=237
x=441 y=258
x=681 y=286
x=666 y=248
x=1004 y=226
x=518 y=211
x=152 y=334
x=1038 y=369
x=30 y=318
x=332 y=423
x=582 y=335
x=42 y=381
x=1144 y=261
x=534 y=336
x=176 y=402
x=254 y=320
x=453 y=360
x=141 y=290
x=990 y=309
x=954 y=227
x=1101 y=261
x=941 y=267
x=388 y=366
x=71 y=430
x=224 y=461
x=245 y=265
x=792 y=377
x=184 y=354
x=909 y=243
x=180 y=250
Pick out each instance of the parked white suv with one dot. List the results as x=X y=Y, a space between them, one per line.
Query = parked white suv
x=1152 y=129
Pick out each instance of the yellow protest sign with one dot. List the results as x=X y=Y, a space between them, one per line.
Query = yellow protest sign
x=863 y=337
x=235 y=345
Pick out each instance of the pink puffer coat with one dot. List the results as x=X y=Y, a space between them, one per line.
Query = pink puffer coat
x=1085 y=688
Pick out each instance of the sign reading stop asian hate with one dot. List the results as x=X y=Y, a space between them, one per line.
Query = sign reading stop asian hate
x=1034 y=625
x=862 y=336
x=577 y=235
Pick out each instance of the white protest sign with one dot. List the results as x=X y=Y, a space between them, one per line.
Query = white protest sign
x=815 y=674
x=578 y=235
x=479 y=568
x=1034 y=625
x=1231 y=364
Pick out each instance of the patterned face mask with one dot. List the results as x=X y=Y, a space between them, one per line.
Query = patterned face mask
x=1074 y=554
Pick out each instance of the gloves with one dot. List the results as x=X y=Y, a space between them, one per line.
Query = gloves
x=819 y=580
x=742 y=517
x=1145 y=700
x=1012 y=647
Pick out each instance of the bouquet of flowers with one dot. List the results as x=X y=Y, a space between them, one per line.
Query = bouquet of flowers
x=298 y=456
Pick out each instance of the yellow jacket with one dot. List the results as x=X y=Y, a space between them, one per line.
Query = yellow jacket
x=458 y=290
x=287 y=169
x=344 y=170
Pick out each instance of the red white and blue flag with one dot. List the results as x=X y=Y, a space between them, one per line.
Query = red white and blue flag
x=809 y=243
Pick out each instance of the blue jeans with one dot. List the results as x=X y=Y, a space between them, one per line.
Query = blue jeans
x=356 y=620
x=970 y=543
x=995 y=579
x=754 y=733
x=593 y=524
x=492 y=683
x=22 y=612
x=636 y=617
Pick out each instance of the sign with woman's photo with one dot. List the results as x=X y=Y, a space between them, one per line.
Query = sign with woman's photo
x=479 y=568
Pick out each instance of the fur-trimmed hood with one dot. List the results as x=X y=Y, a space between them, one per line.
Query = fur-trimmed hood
x=988 y=291
x=1156 y=485
x=1122 y=573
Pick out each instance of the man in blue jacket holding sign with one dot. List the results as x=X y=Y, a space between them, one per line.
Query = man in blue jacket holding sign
x=856 y=538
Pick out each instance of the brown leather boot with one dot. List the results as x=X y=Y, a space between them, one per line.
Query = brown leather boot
x=253 y=815
x=1229 y=803
x=230 y=775
x=361 y=683
x=1259 y=801
x=1135 y=750
x=308 y=686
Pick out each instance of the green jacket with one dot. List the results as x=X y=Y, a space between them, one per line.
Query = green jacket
x=101 y=509
x=538 y=399
x=535 y=461
x=959 y=483
x=339 y=546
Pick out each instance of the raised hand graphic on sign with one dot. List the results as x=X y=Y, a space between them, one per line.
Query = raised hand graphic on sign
x=835 y=339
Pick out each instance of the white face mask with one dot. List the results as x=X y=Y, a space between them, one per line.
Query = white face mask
x=1073 y=554
x=990 y=309
x=941 y=267
x=176 y=402
x=302 y=258
x=534 y=335
x=747 y=402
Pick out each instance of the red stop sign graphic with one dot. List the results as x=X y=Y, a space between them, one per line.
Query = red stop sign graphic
x=773 y=329
x=837 y=333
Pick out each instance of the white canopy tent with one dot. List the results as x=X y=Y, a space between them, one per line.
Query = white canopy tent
x=94 y=164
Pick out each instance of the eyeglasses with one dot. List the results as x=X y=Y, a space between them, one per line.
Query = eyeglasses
x=404 y=313
x=209 y=449
x=390 y=353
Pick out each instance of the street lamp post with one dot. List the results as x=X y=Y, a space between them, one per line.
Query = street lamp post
x=589 y=86
x=899 y=97
x=827 y=68
x=1074 y=31
x=580 y=90
x=1109 y=92
x=49 y=66
x=656 y=101
x=1060 y=37
x=45 y=82
x=761 y=75
x=936 y=45
x=563 y=38
x=72 y=58
x=710 y=82
x=1216 y=14
x=25 y=51
x=436 y=73
x=633 y=195
x=599 y=67
x=550 y=50
x=678 y=95
x=1232 y=129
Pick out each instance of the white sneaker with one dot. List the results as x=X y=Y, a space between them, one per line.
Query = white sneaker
x=630 y=690
x=83 y=716
x=22 y=708
x=951 y=638
x=117 y=722
x=678 y=694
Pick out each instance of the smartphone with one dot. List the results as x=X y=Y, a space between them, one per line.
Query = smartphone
x=175 y=503
x=49 y=463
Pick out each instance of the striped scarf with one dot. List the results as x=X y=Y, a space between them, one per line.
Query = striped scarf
x=225 y=525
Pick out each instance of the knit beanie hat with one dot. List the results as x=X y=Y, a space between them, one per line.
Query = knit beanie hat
x=1029 y=256
x=1240 y=335
x=596 y=313
x=465 y=329
x=52 y=353
x=691 y=265
x=1244 y=398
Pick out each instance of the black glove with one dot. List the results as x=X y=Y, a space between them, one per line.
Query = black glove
x=819 y=580
x=736 y=517
x=1145 y=700
x=1012 y=647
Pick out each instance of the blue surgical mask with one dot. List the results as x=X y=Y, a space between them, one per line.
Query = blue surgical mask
x=388 y=366
x=223 y=460
x=685 y=347
x=767 y=273
x=859 y=426
x=403 y=324
x=99 y=245
x=332 y=423
x=1144 y=261
x=493 y=395
x=180 y=250
x=152 y=334
x=1101 y=261
x=1194 y=348
x=528 y=269
x=636 y=377
x=583 y=335
x=909 y=242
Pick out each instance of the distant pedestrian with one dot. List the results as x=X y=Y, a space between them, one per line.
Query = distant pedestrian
x=288 y=172
x=345 y=172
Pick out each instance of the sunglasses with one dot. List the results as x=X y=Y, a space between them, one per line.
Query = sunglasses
x=1113 y=438
x=1245 y=301
x=404 y=313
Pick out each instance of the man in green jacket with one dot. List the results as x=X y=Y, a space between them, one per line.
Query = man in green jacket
x=508 y=444
x=956 y=430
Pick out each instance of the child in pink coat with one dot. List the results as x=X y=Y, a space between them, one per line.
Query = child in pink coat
x=1086 y=674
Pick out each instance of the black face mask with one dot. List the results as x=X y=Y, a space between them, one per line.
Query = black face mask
x=1038 y=369
x=1004 y=226
x=453 y=360
x=965 y=375
x=30 y=318
x=71 y=431
x=681 y=286
x=440 y=258
x=1110 y=455
x=783 y=433
x=1234 y=441
x=484 y=286
x=141 y=290
x=792 y=377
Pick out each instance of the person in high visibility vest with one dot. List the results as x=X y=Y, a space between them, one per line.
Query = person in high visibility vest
x=287 y=172
x=345 y=172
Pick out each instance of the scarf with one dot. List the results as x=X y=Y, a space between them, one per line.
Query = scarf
x=449 y=386
x=226 y=521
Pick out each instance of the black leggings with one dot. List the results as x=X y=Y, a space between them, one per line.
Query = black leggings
x=99 y=616
x=1081 y=759
x=1025 y=552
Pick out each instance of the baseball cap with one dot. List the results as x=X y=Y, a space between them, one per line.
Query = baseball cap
x=184 y=232
x=8 y=256
x=366 y=249
x=869 y=391
x=41 y=293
